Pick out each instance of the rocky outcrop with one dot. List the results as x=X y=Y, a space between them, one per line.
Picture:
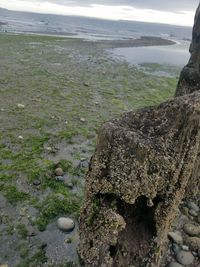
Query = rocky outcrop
x=144 y=164
x=140 y=171
x=190 y=76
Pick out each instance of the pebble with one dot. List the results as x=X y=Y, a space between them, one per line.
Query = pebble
x=65 y=224
x=20 y=106
x=2 y=202
x=36 y=182
x=175 y=248
x=48 y=148
x=60 y=178
x=69 y=185
x=20 y=137
x=191 y=229
x=31 y=231
x=82 y=119
x=193 y=213
x=191 y=205
x=176 y=237
x=185 y=248
x=59 y=172
x=198 y=219
x=175 y=264
x=185 y=257
x=193 y=243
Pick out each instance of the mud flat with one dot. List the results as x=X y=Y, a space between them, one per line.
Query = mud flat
x=55 y=93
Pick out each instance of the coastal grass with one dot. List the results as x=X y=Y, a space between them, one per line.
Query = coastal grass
x=55 y=94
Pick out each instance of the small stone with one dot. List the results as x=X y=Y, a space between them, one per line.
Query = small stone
x=199 y=252
x=31 y=231
x=20 y=106
x=195 y=254
x=175 y=264
x=176 y=237
x=48 y=148
x=191 y=205
x=185 y=257
x=65 y=224
x=2 y=202
x=2 y=110
x=193 y=243
x=86 y=84
x=191 y=229
x=60 y=178
x=82 y=119
x=175 y=248
x=198 y=219
x=36 y=182
x=59 y=172
x=69 y=185
x=66 y=122
x=185 y=248
x=193 y=213
x=96 y=103
x=20 y=137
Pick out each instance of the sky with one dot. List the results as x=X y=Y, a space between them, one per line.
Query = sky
x=176 y=12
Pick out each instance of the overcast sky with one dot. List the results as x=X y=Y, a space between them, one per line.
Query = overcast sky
x=178 y=12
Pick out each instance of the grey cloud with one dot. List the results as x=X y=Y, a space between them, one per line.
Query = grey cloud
x=171 y=5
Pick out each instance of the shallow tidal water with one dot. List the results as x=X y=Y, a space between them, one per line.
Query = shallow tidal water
x=176 y=55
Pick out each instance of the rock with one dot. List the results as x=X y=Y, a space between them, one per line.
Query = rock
x=31 y=230
x=191 y=229
x=199 y=252
x=176 y=237
x=20 y=137
x=193 y=213
x=3 y=202
x=189 y=80
x=193 y=243
x=48 y=148
x=175 y=248
x=191 y=205
x=198 y=219
x=36 y=182
x=3 y=265
x=65 y=224
x=174 y=264
x=132 y=151
x=59 y=178
x=20 y=106
x=185 y=248
x=59 y=172
x=69 y=185
x=185 y=257
x=82 y=119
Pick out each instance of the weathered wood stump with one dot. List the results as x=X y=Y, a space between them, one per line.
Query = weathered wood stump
x=144 y=164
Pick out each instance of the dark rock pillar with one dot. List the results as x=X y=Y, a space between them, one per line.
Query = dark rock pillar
x=189 y=80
